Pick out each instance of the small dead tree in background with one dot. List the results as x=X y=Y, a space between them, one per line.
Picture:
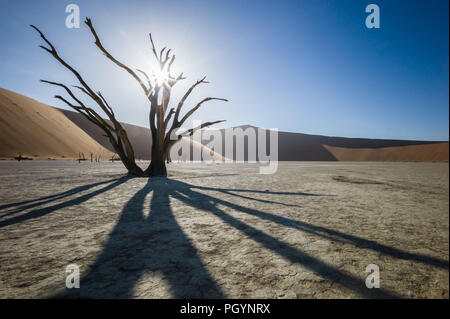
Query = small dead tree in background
x=164 y=123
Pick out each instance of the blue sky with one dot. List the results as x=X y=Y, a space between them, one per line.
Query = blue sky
x=299 y=66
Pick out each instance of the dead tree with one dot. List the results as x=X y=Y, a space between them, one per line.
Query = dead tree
x=81 y=157
x=164 y=124
x=164 y=136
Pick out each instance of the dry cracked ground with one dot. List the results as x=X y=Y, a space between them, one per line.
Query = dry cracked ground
x=224 y=230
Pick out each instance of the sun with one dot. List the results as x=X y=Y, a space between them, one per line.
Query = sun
x=161 y=76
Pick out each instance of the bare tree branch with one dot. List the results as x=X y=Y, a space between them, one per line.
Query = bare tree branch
x=55 y=54
x=191 y=131
x=66 y=88
x=109 y=56
x=171 y=112
x=106 y=103
x=150 y=86
x=154 y=50
x=84 y=91
x=169 y=66
x=79 y=109
x=64 y=63
x=87 y=112
x=94 y=115
x=195 y=108
x=183 y=99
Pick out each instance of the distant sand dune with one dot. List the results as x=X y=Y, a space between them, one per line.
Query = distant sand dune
x=39 y=131
x=305 y=147
x=437 y=152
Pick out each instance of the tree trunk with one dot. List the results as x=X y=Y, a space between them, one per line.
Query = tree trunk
x=157 y=168
x=134 y=170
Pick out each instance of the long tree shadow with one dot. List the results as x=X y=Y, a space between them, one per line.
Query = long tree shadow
x=153 y=244
x=157 y=245
x=184 y=192
x=323 y=232
x=50 y=209
x=21 y=206
x=334 y=235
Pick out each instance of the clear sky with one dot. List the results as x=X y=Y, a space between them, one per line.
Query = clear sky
x=299 y=66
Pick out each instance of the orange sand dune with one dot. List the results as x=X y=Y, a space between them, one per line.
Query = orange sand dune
x=437 y=152
x=39 y=131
